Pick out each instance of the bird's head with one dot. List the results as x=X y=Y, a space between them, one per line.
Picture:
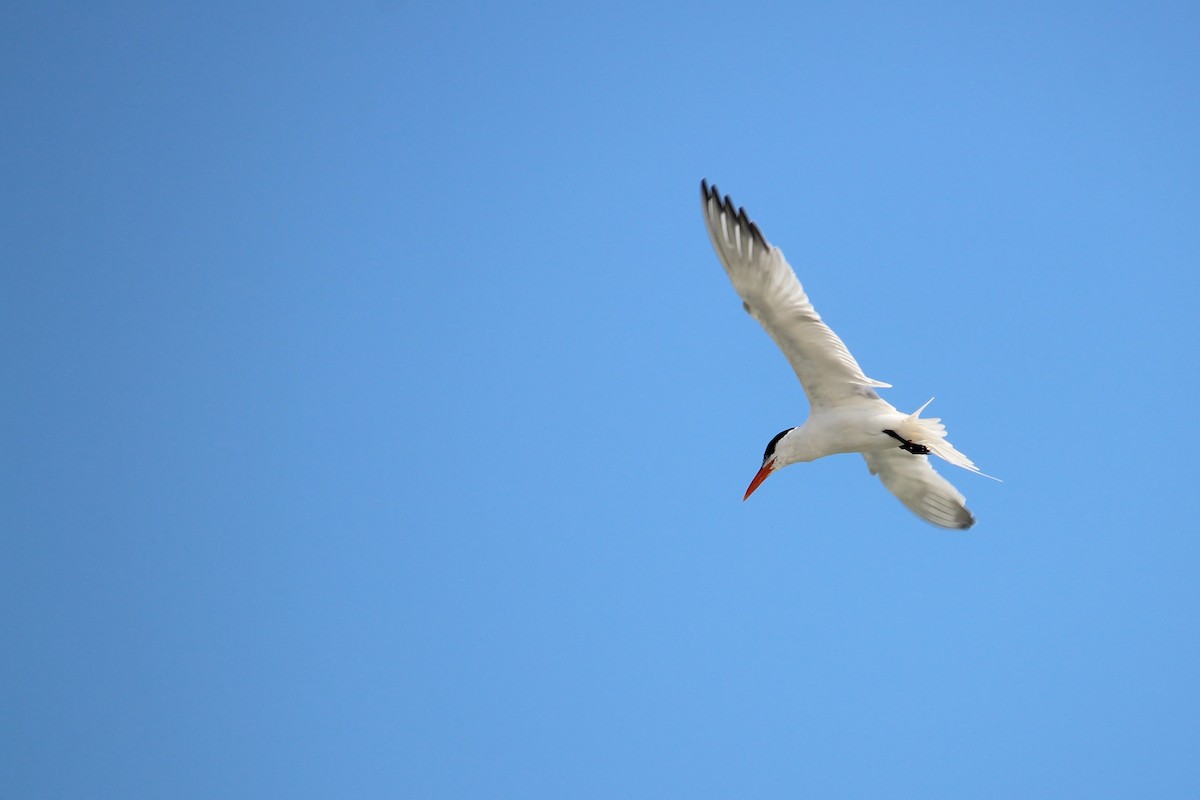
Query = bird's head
x=770 y=463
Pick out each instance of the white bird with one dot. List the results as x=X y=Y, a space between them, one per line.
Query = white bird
x=845 y=413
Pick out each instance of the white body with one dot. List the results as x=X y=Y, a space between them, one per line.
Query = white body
x=846 y=414
x=846 y=429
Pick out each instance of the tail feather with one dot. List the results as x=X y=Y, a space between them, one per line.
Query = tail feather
x=932 y=433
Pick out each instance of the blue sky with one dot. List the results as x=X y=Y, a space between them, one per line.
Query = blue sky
x=378 y=414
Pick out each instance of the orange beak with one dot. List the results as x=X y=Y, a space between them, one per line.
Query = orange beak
x=759 y=478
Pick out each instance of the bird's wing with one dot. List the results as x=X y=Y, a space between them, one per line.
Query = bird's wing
x=772 y=294
x=927 y=494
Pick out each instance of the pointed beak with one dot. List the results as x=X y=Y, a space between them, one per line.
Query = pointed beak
x=762 y=475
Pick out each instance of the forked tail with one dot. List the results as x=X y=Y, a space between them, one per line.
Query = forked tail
x=932 y=433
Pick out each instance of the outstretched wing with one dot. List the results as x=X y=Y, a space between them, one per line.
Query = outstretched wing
x=927 y=494
x=772 y=294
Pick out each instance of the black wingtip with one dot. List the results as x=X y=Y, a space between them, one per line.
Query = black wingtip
x=762 y=240
x=725 y=204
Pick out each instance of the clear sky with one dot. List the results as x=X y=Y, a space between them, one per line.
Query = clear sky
x=377 y=414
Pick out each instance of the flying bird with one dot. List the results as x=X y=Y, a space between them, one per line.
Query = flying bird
x=846 y=415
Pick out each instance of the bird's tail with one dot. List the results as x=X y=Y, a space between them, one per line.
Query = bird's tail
x=932 y=433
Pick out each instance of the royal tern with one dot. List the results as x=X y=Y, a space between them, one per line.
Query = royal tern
x=845 y=413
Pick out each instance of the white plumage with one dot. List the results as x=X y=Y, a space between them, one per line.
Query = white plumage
x=846 y=415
